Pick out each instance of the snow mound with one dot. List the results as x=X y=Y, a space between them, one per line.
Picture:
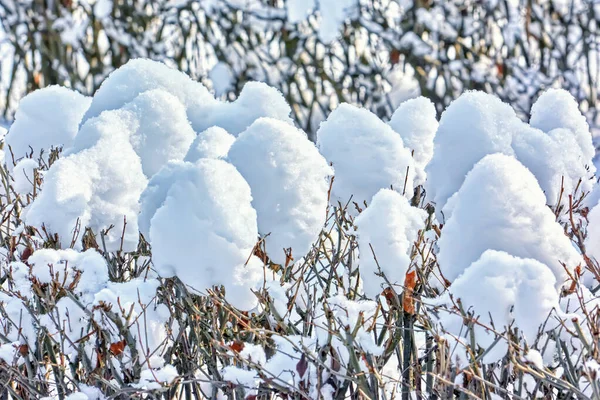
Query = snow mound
x=389 y=226
x=46 y=118
x=556 y=160
x=202 y=228
x=256 y=100
x=140 y=75
x=214 y=142
x=415 y=120
x=501 y=290
x=501 y=207
x=557 y=108
x=97 y=186
x=366 y=153
x=474 y=125
x=203 y=110
x=289 y=182
x=163 y=134
x=477 y=124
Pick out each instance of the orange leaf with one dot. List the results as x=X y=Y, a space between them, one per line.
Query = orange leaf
x=410 y=281
x=117 y=348
x=236 y=346
x=23 y=349
x=26 y=254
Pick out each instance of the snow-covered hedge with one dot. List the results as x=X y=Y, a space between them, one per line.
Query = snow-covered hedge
x=160 y=243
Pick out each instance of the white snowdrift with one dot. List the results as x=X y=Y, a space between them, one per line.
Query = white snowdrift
x=366 y=153
x=203 y=110
x=477 y=124
x=500 y=206
x=47 y=118
x=502 y=291
x=415 y=121
x=97 y=186
x=289 y=181
x=202 y=228
x=386 y=231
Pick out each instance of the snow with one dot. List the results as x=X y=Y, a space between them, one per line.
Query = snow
x=299 y=10
x=163 y=132
x=97 y=186
x=140 y=75
x=24 y=176
x=367 y=155
x=66 y=266
x=17 y=324
x=477 y=124
x=500 y=206
x=256 y=100
x=206 y=181
x=214 y=142
x=222 y=78
x=333 y=14
x=501 y=290
x=388 y=228
x=154 y=378
x=535 y=357
x=289 y=181
x=474 y=125
x=208 y=200
x=556 y=161
x=103 y=8
x=46 y=118
x=415 y=121
x=203 y=110
x=557 y=108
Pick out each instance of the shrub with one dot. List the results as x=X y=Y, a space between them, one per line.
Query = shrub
x=250 y=270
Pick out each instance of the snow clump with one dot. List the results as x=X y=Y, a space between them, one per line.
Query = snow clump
x=214 y=142
x=500 y=206
x=386 y=231
x=203 y=110
x=47 y=118
x=289 y=181
x=415 y=121
x=202 y=227
x=366 y=153
x=501 y=290
x=477 y=124
x=94 y=186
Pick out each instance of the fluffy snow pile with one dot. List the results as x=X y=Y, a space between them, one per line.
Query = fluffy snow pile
x=289 y=182
x=214 y=142
x=557 y=108
x=386 y=231
x=500 y=206
x=163 y=132
x=474 y=125
x=366 y=153
x=202 y=227
x=47 y=118
x=415 y=121
x=203 y=110
x=501 y=290
x=95 y=186
x=477 y=124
